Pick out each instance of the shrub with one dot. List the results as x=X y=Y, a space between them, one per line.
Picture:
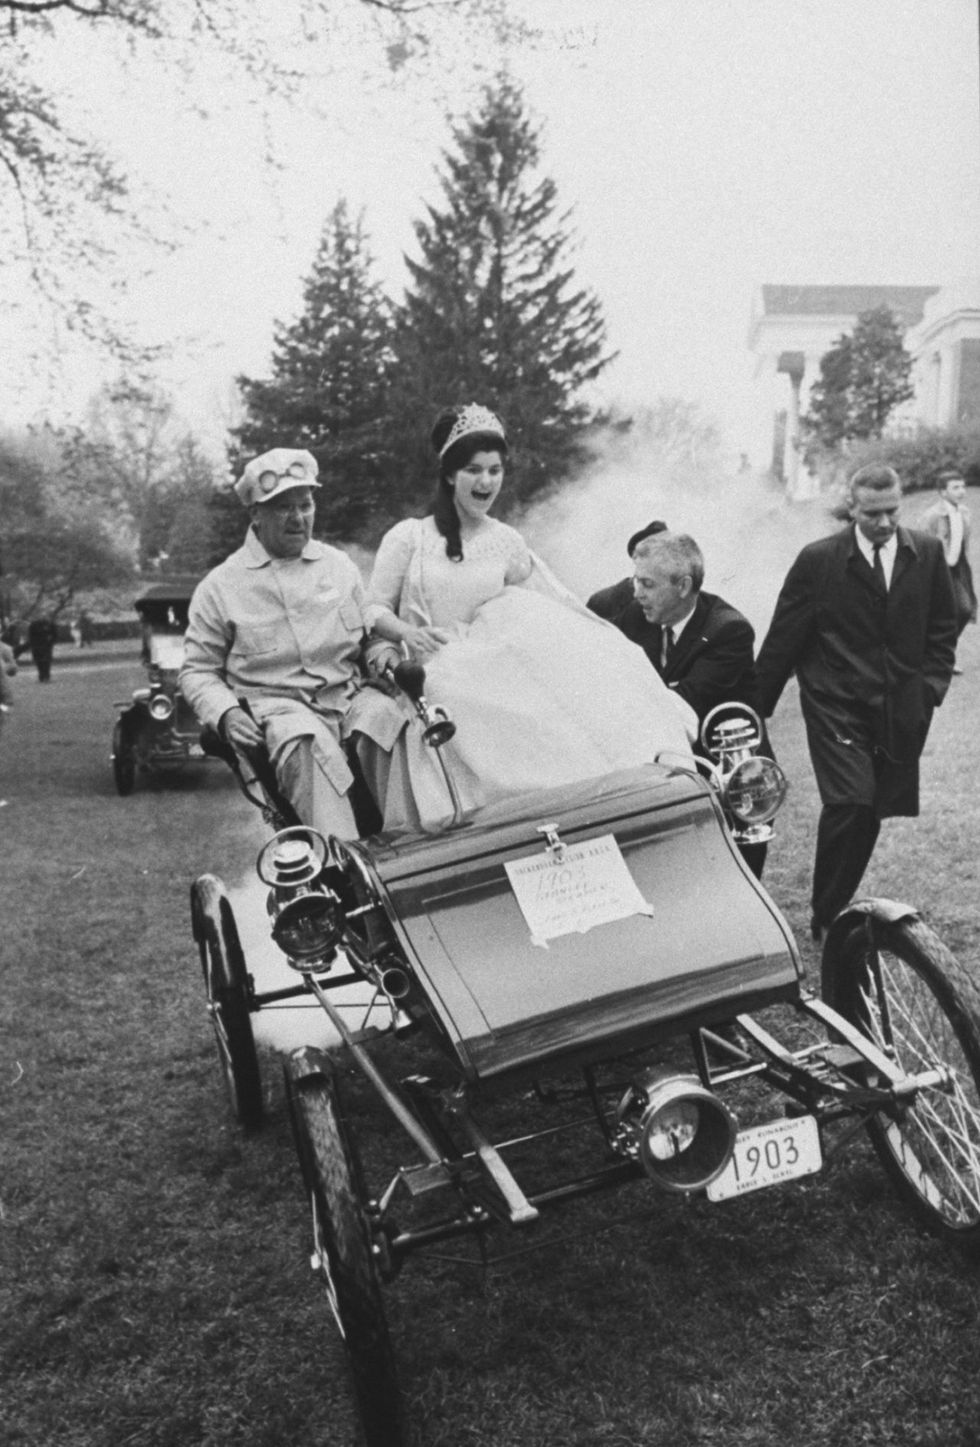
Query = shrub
x=918 y=458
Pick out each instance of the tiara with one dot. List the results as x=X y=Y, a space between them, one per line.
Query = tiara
x=473 y=418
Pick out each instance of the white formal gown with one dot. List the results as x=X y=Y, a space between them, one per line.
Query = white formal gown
x=542 y=692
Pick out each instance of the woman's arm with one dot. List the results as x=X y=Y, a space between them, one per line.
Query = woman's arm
x=391 y=565
x=519 y=560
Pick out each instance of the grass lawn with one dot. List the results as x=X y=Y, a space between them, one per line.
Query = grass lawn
x=155 y=1287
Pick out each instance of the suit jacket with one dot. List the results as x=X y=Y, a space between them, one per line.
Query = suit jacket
x=712 y=661
x=883 y=659
x=618 y=605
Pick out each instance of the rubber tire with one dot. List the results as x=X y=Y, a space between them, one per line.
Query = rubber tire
x=123 y=760
x=228 y=988
x=342 y=1242
x=927 y=987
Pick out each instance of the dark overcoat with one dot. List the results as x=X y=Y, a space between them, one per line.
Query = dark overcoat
x=871 y=664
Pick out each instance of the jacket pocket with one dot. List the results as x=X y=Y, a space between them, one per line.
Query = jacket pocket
x=254 y=639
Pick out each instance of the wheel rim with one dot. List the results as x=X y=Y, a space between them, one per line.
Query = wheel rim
x=935 y=1142
x=321 y=1262
x=224 y=1052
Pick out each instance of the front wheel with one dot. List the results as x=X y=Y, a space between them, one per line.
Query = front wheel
x=123 y=759
x=342 y=1245
x=228 y=987
x=898 y=983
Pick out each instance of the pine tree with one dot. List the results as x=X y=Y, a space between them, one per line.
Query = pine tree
x=328 y=389
x=863 y=378
x=492 y=314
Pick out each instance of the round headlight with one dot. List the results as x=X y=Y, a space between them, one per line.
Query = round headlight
x=307 y=930
x=161 y=707
x=681 y=1133
x=755 y=790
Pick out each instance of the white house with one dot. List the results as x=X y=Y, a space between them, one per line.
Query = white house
x=793 y=326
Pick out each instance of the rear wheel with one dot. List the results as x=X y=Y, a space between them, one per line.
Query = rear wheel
x=899 y=984
x=342 y=1246
x=228 y=987
x=123 y=759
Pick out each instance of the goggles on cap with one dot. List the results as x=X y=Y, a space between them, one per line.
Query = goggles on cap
x=269 y=481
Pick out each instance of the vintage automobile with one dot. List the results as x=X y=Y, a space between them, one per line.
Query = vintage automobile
x=607 y=951
x=156 y=728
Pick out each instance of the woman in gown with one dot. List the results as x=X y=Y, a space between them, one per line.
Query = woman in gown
x=542 y=692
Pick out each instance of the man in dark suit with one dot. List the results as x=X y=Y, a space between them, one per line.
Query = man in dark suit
x=700 y=645
x=867 y=621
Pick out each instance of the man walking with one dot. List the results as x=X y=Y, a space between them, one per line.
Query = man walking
x=949 y=520
x=866 y=620
x=41 y=636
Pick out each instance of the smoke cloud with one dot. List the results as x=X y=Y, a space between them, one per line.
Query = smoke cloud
x=748 y=531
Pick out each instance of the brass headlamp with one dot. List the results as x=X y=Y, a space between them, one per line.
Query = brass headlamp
x=682 y=1135
x=307 y=916
x=752 y=786
x=160 y=707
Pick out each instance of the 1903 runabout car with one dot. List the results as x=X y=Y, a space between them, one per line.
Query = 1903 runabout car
x=605 y=945
x=157 y=728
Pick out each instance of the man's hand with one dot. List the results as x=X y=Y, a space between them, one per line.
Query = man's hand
x=240 y=730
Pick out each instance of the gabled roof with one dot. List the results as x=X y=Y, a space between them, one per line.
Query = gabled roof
x=907 y=302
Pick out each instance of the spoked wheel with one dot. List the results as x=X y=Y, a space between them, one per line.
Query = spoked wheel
x=123 y=759
x=342 y=1247
x=228 y=989
x=899 y=984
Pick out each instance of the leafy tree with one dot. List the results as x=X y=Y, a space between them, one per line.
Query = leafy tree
x=920 y=457
x=329 y=384
x=492 y=313
x=51 y=546
x=863 y=378
x=67 y=205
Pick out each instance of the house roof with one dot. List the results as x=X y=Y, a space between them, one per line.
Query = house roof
x=907 y=302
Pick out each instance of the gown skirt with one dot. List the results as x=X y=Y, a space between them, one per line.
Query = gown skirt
x=542 y=694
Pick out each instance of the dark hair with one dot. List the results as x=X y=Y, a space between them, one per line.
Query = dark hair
x=948 y=474
x=874 y=477
x=443 y=506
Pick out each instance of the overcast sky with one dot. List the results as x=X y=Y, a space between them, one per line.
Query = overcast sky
x=704 y=146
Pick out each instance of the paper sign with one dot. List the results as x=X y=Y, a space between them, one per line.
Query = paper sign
x=571 y=890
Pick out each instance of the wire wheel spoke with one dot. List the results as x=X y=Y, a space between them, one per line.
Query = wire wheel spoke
x=936 y=1139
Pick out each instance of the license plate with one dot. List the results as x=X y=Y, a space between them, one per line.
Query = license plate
x=764 y=1155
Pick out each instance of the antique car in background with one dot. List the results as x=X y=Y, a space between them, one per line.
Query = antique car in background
x=156 y=728
x=598 y=956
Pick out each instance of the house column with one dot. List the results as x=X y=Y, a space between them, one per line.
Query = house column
x=794 y=365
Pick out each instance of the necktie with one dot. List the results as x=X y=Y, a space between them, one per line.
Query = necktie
x=879 y=567
x=666 y=646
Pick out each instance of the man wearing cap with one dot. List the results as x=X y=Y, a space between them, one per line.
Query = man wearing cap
x=867 y=621
x=275 y=641
x=617 y=603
